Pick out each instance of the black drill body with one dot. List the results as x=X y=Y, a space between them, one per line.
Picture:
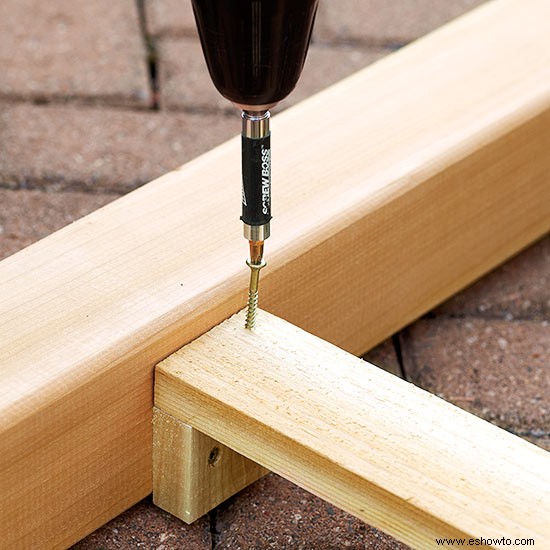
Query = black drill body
x=255 y=49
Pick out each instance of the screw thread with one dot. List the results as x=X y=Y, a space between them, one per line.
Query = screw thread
x=251 y=312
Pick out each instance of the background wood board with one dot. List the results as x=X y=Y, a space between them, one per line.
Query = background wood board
x=390 y=453
x=414 y=177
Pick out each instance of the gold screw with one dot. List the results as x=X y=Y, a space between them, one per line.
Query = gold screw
x=253 y=292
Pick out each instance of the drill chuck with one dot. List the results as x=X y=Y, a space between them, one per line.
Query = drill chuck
x=256 y=171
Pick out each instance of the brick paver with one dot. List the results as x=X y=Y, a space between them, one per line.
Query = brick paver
x=68 y=147
x=520 y=289
x=274 y=513
x=148 y=527
x=495 y=369
x=170 y=17
x=82 y=49
x=27 y=216
x=382 y=22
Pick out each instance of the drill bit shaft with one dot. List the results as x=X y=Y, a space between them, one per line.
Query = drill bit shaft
x=256 y=197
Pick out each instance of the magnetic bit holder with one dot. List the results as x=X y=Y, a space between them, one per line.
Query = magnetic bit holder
x=256 y=201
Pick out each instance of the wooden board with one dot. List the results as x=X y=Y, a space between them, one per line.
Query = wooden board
x=193 y=473
x=416 y=176
x=390 y=453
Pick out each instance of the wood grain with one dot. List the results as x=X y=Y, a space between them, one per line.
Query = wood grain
x=193 y=473
x=390 y=453
x=415 y=177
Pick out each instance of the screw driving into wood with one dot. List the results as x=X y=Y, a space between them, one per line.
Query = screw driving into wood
x=255 y=263
x=252 y=309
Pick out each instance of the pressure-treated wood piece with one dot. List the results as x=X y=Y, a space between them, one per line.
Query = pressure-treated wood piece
x=193 y=473
x=415 y=177
x=388 y=452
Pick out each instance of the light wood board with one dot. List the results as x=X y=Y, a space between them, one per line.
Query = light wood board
x=193 y=473
x=408 y=181
x=390 y=453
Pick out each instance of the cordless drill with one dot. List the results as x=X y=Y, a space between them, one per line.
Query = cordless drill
x=255 y=51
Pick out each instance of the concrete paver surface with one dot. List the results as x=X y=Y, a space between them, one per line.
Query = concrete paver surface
x=78 y=49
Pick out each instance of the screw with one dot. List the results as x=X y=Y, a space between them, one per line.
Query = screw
x=253 y=293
